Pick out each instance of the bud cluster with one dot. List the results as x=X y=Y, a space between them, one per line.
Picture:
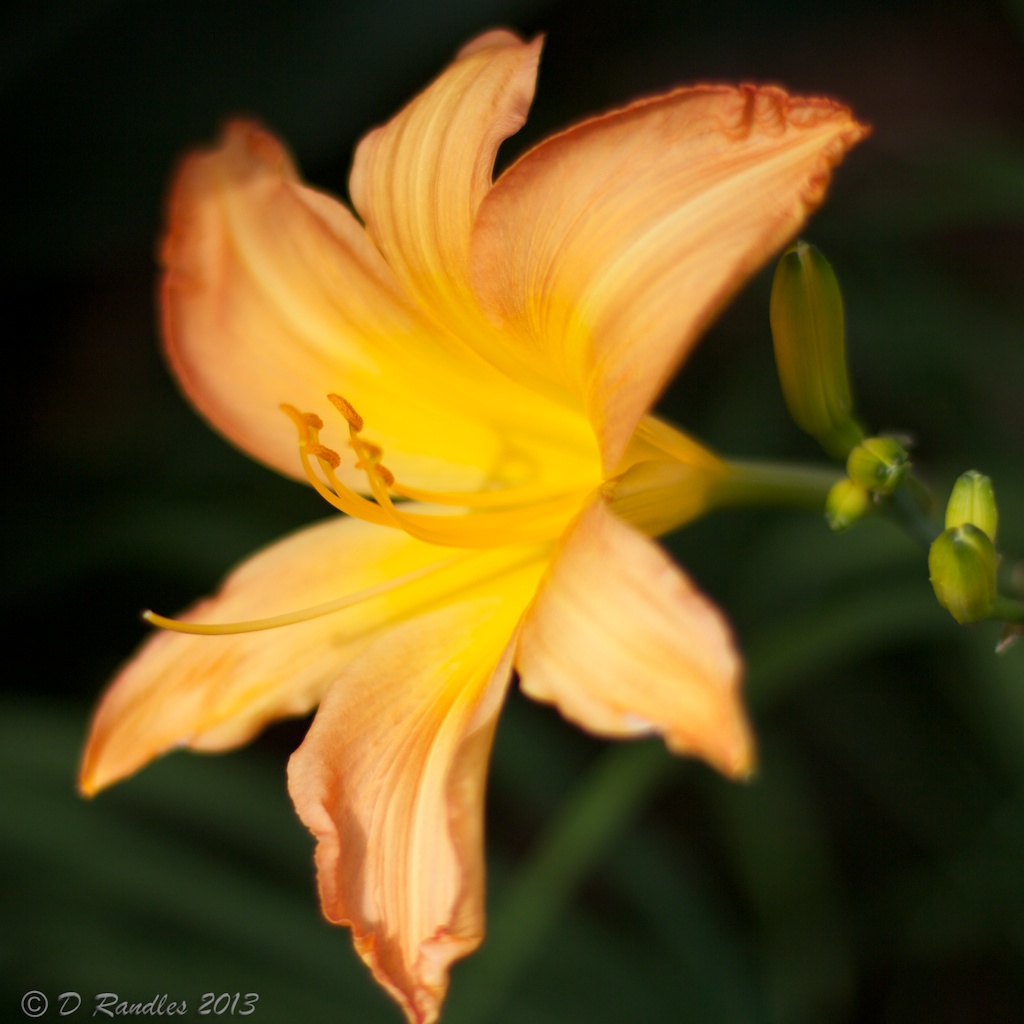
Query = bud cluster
x=809 y=335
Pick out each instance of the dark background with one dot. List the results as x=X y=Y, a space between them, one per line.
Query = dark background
x=873 y=869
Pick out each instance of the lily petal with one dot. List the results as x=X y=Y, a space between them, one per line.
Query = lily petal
x=607 y=249
x=216 y=692
x=390 y=780
x=622 y=642
x=418 y=181
x=273 y=294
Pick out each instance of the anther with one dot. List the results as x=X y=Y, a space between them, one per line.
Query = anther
x=367 y=451
x=327 y=454
x=347 y=411
x=305 y=421
x=296 y=417
x=512 y=524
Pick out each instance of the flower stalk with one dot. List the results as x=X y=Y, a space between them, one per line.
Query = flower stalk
x=774 y=484
x=808 y=331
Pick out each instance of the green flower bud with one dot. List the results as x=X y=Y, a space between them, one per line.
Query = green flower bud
x=973 y=501
x=962 y=565
x=806 y=314
x=878 y=464
x=846 y=503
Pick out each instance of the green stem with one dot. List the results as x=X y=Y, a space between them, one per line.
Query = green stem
x=616 y=791
x=910 y=507
x=774 y=483
x=1007 y=609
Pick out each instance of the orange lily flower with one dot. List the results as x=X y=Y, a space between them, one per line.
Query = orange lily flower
x=488 y=352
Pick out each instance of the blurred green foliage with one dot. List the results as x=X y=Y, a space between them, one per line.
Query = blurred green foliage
x=872 y=871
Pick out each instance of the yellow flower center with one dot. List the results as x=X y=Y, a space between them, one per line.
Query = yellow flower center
x=516 y=515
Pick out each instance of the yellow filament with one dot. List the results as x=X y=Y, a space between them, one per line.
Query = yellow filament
x=511 y=517
x=370 y=453
x=511 y=526
x=504 y=498
x=343 y=499
x=304 y=614
x=345 y=408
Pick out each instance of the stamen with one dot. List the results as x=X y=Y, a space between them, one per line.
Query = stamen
x=342 y=498
x=366 y=450
x=517 y=525
x=511 y=518
x=305 y=614
x=504 y=498
x=347 y=411
x=327 y=454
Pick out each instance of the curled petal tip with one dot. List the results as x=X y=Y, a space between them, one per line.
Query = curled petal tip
x=87 y=787
x=493 y=39
x=739 y=760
